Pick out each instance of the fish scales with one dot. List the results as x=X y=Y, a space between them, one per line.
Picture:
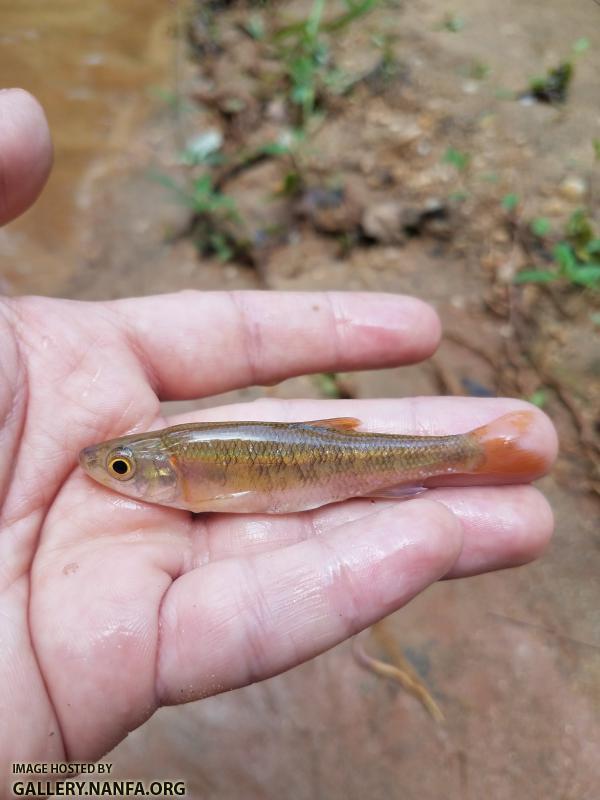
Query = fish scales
x=271 y=467
x=277 y=459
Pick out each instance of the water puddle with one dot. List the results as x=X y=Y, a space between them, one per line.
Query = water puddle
x=94 y=67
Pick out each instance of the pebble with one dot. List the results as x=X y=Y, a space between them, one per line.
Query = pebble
x=573 y=187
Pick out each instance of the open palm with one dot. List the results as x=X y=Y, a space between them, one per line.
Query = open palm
x=109 y=607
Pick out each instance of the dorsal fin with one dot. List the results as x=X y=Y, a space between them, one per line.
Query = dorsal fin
x=336 y=423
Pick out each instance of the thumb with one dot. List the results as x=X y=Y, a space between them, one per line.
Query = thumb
x=25 y=152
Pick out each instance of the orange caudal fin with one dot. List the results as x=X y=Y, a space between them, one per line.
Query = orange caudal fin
x=508 y=447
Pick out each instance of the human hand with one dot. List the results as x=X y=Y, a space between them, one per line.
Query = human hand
x=110 y=608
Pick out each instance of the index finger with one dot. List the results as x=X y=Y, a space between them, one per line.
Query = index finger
x=195 y=344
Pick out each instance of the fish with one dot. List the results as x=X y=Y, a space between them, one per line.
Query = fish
x=285 y=467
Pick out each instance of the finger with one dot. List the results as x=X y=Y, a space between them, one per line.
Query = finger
x=195 y=344
x=504 y=526
x=25 y=152
x=242 y=620
x=422 y=416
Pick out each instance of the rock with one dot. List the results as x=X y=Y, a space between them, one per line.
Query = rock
x=402 y=128
x=332 y=210
x=392 y=222
x=383 y=222
x=573 y=188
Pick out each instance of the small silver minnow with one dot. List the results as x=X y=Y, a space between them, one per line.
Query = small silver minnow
x=283 y=467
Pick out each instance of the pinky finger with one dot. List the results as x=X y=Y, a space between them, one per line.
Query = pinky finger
x=237 y=621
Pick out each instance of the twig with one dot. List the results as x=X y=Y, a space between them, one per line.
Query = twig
x=400 y=671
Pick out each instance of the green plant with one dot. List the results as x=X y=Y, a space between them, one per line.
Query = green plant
x=576 y=258
x=580 y=230
x=307 y=62
x=215 y=216
x=453 y=23
x=389 y=66
x=510 y=202
x=354 y=10
x=539 y=398
x=330 y=385
x=303 y=50
x=477 y=70
x=541 y=227
x=201 y=196
x=581 y=45
x=255 y=27
x=327 y=384
x=305 y=53
x=457 y=158
x=553 y=87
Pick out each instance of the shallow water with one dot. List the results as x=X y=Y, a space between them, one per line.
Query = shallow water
x=97 y=67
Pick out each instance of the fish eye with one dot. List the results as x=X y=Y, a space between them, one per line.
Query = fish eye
x=121 y=466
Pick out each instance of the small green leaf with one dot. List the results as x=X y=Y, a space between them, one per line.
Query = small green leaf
x=255 y=27
x=579 y=228
x=510 y=202
x=457 y=158
x=458 y=197
x=587 y=275
x=328 y=385
x=581 y=45
x=596 y=146
x=453 y=23
x=541 y=226
x=203 y=184
x=478 y=70
x=539 y=398
x=221 y=246
x=180 y=192
x=275 y=149
x=554 y=86
x=535 y=276
x=593 y=247
x=292 y=183
x=567 y=261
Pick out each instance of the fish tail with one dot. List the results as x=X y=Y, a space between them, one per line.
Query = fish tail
x=506 y=447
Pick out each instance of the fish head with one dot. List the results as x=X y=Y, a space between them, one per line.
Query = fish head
x=136 y=466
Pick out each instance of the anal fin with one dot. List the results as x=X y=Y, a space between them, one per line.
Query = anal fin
x=399 y=492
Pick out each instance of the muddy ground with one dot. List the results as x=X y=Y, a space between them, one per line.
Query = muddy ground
x=398 y=186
